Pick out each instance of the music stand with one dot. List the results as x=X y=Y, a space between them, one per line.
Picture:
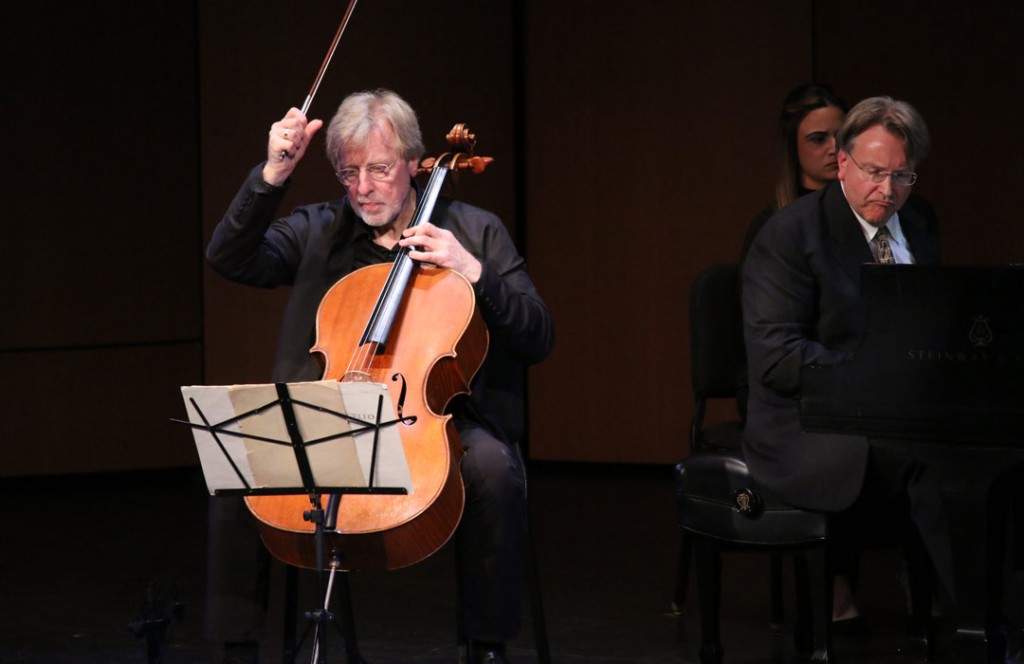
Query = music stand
x=313 y=437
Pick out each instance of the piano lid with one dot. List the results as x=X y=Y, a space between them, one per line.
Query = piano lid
x=942 y=358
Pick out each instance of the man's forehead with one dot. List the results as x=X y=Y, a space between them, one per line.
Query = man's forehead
x=369 y=155
x=878 y=136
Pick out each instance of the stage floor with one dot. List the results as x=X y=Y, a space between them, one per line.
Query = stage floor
x=85 y=557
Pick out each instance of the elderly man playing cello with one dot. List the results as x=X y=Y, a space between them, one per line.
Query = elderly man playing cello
x=374 y=146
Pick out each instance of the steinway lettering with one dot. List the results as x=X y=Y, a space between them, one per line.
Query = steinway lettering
x=966 y=357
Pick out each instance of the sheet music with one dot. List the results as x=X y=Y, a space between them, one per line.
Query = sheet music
x=245 y=426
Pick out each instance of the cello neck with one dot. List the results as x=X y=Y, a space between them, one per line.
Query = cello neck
x=430 y=194
x=379 y=326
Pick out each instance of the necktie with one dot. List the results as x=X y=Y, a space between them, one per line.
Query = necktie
x=880 y=247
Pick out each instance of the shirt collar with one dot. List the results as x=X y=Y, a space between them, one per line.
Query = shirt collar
x=869 y=230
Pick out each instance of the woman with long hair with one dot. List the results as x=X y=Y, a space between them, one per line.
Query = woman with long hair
x=805 y=148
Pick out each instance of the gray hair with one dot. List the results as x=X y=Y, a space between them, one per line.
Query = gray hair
x=361 y=112
x=897 y=117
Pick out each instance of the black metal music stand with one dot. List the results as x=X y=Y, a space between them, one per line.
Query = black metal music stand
x=251 y=424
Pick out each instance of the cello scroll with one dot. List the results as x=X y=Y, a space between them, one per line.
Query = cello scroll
x=464 y=142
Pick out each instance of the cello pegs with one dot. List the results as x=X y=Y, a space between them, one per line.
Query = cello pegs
x=460 y=137
x=478 y=164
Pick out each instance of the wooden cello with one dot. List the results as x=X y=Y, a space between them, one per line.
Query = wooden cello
x=416 y=329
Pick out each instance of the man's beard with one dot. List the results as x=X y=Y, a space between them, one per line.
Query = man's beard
x=384 y=217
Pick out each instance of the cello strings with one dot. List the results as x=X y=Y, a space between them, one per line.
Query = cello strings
x=362 y=358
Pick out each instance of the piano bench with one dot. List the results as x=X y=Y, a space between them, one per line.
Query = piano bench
x=721 y=508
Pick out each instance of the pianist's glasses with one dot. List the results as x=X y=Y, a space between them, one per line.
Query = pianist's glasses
x=899 y=178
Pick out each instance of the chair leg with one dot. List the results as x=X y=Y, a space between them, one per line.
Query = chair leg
x=778 y=620
x=682 y=574
x=709 y=588
x=465 y=646
x=812 y=634
x=540 y=625
x=778 y=617
x=803 y=630
x=819 y=574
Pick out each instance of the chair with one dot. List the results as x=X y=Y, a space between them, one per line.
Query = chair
x=721 y=507
x=718 y=371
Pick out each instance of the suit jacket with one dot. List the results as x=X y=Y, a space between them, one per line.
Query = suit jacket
x=312 y=247
x=802 y=305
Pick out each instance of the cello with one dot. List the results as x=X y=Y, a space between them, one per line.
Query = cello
x=415 y=328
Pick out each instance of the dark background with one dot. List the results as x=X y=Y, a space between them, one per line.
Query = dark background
x=632 y=146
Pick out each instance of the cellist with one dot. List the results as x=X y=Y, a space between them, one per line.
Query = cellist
x=374 y=147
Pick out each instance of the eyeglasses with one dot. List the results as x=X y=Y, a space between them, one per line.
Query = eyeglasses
x=899 y=178
x=378 y=172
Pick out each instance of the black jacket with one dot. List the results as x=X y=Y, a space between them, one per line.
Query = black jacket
x=802 y=305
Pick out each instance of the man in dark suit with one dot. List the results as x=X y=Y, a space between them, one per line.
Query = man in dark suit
x=802 y=306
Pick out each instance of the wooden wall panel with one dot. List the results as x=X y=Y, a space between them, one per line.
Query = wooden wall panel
x=102 y=201
x=649 y=149
x=103 y=309
x=103 y=409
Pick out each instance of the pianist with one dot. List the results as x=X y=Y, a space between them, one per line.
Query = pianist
x=802 y=305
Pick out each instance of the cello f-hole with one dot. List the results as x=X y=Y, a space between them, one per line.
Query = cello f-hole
x=401 y=394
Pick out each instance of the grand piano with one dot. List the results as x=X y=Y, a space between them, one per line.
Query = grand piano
x=941 y=374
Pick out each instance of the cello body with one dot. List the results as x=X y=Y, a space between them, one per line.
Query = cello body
x=436 y=345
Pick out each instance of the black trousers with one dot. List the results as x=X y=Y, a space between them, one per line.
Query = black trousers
x=489 y=545
x=899 y=502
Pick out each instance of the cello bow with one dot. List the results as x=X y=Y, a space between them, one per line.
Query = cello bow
x=323 y=65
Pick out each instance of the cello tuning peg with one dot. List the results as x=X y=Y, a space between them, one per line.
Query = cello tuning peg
x=427 y=164
x=478 y=164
